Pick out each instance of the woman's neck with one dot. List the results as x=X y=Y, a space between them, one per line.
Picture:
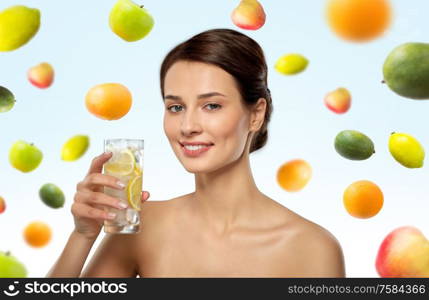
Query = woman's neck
x=227 y=198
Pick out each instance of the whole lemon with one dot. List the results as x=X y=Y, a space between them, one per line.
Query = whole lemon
x=75 y=147
x=406 y=150
x=18 y=24
x=291 y=64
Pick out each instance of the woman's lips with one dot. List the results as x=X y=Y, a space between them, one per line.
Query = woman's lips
x=197 y=152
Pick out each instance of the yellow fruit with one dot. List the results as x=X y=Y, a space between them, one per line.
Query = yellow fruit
x=137 y=170
x=291 y=64
x=18 y=24
x=122 y=163
x=134 y=190
x=75 y=147
x=406 y=150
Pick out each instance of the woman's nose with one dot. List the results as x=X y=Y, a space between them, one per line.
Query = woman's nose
x=190 y=123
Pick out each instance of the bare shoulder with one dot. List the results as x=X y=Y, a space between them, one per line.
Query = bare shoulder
x=315 y=251
x=161 y=208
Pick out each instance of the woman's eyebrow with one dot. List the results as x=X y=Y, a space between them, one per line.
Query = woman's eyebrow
x=211 y=94
x=201 y=96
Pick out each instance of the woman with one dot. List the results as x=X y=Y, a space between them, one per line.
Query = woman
x=217 y=108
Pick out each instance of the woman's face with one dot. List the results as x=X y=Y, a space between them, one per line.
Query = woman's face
x=203 y=107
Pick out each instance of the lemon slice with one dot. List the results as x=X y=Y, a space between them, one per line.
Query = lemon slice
x=134 y=190
x=121 y=163
x=137 y=170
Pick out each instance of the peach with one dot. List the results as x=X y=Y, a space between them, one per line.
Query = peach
x=41 y=75
x=403 y=253
x=249 y=14
x=338 y=101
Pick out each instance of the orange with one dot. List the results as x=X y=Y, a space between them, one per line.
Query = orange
x=37 y=234
x=359 y=20
x=294 y=175
x=363 y=199
x=108 y=101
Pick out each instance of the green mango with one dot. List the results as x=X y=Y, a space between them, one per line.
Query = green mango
x=18 y=24
x=406 y=70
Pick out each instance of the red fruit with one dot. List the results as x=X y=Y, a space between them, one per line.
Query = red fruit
x=2 y=205
x=338 y=101
x=41 y=75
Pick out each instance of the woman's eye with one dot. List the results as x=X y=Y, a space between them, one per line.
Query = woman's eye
x=213 y=106
x=174 y=108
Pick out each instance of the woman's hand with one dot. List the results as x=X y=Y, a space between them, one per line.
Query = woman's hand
x=89 y=199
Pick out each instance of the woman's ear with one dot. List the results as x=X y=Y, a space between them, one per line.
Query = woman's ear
x=258 y=114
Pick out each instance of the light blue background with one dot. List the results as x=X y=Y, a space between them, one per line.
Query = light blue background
x=76 y=39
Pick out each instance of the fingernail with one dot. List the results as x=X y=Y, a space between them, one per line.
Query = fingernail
x=122 y=205
x=120 y=184
x=111 y=215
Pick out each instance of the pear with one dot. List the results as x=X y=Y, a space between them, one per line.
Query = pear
x=406 y=70
x=249 y=14
x=18 y=24
x=130 y=21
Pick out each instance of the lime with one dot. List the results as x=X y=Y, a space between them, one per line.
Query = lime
x=121 y=163
x=75 y=147
x=52 y=195
x=406 y=150
x=7 y=99
x=354 y=145
x=291 y=64
x=134 y=190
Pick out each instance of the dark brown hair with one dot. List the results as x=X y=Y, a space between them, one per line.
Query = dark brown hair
x=235 y=53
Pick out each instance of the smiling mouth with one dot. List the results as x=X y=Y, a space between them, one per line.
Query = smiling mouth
x=195 y=150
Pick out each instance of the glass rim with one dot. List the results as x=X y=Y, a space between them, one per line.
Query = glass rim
x=123 y=139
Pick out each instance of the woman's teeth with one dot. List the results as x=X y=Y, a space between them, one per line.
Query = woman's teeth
x=195 y=147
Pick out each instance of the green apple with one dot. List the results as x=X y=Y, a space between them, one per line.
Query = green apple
x=24 y=157
x=7 y=99
x=130 y=21
x=10 y=267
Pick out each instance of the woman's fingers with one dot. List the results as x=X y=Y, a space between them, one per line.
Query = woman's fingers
x=97 y=179
x=98 y=162
x=145 y=196
x=84 y=210
x=98 y=198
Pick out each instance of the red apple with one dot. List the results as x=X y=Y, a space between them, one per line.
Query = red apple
x=41 y=75
x=403 y=253
x=249 y=14
x=2 y=205
x=338 y=101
